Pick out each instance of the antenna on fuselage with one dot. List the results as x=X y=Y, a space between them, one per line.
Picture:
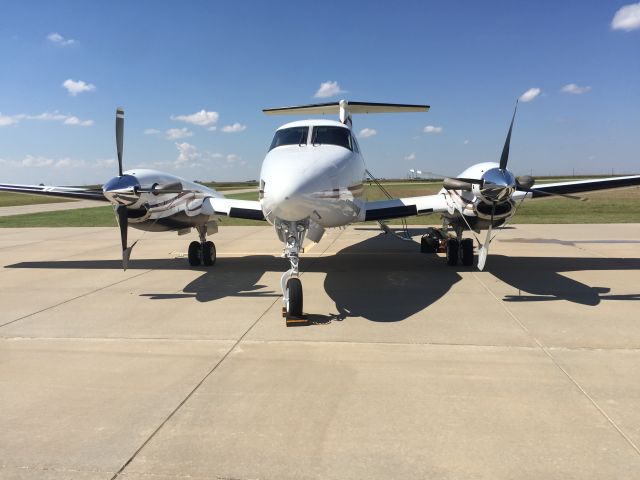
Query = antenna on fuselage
x=344 y=109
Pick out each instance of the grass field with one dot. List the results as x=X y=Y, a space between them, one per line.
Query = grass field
x=610 y=206
x=8 y=199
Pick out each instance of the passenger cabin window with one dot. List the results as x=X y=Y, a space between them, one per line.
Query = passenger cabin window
x=290 y=136
x=332 y=136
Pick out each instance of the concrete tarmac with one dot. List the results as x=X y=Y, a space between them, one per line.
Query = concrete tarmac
x=409 y=368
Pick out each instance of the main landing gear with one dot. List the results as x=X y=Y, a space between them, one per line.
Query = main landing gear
x=202 y=252
x=292 y=233
x=456 y=248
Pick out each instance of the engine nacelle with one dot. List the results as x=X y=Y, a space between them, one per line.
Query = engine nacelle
x=502 y=210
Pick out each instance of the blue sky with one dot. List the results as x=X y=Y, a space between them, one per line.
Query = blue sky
x=166 y=61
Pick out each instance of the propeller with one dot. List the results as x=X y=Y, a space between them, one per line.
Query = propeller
x=119 y=136
x=484 y=248
x=461 y=183
x=123 y=222
x=504 y=158
x=121 y=210
x=157 y=189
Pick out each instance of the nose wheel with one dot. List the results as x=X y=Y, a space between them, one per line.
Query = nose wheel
x=293 y=235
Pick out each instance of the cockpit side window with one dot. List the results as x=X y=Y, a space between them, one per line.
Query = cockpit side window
x=354 y=142
x=329 y=135
x=290 y=136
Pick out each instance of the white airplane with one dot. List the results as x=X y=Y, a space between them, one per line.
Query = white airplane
x=312 y=179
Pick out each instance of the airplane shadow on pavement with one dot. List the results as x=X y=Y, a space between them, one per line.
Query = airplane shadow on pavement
x=382 y=278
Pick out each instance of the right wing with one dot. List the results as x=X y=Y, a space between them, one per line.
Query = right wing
x=229 y=207
x=64 y=192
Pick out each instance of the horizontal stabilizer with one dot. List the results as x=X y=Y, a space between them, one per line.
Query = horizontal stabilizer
x=353 y=107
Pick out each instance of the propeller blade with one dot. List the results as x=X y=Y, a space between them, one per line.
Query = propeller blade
x=123 y=222
x=525 y=182
x=119 y=136
x=504 y=158
x=156 y=189
x=456 y=184
x=484 y=248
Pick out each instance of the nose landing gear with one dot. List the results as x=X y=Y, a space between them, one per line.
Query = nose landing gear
x=202 y=252
x=293 y=234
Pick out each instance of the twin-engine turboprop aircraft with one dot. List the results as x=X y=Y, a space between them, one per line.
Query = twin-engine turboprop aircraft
x=312 y=179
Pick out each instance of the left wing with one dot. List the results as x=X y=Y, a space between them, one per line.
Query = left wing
x=578 y=186
x=405 y=207
x=65 y=192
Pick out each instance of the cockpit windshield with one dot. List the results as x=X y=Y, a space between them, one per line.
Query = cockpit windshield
x=332 y=136
x=290 y=136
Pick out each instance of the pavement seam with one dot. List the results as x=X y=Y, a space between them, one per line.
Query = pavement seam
x=564 y=371
x=201 y=382
x=74 y=298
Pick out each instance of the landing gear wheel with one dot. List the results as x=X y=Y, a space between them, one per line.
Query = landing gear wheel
x=195 y=254
x=294 y=294
x=467 y=251
x=429 y=243
x=452 y=252
x=208 y=253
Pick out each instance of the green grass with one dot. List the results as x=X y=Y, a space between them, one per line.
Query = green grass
x=8 y=199
x=612 y=206
x=81 y=217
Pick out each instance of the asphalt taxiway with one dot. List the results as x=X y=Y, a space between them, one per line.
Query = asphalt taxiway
x=408 y=369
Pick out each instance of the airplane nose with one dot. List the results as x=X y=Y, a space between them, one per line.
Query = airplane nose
x=287 y=200
x=122 y=190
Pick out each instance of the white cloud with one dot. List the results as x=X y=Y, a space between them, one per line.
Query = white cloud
x=58 y=39
x=236 y=127
x=411 y=156
x=176 y=133
x=432 y=129
x=186 y=153
x=627 y=18
x=328 y=89
x=575 y=89
x=530 y=94
x=76 y=121
x=151 y=131
x=47 y=117
x=367 y=132
x=32 y=161
x=466 y=141
x=7 y=120
x=202 y=118
x=39 y=161
x=74 y=88
x=212 y=129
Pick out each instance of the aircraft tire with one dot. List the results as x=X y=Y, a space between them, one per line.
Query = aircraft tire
x=428 y=244
x=195 y=254
x=467 y=252
x=208 y=253
x=294 y=290
x=452 y=252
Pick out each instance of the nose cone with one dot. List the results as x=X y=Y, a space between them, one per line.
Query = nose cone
x=294 y=181
x=498 y=185
x=122 y=190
